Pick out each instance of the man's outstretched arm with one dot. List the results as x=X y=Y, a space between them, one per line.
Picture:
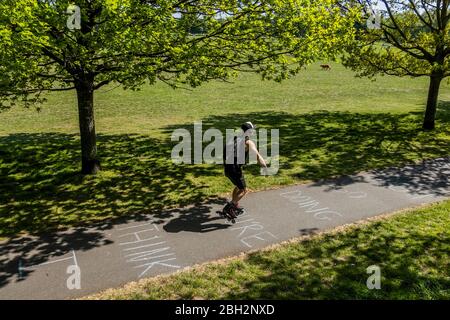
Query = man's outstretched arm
x=259 y=158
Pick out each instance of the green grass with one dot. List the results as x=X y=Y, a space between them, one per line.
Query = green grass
x=411 y=248
x=330 y=124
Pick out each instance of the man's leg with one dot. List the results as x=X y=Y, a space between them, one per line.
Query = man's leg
x=241 y=188
x=238 y=194
x=234 y=194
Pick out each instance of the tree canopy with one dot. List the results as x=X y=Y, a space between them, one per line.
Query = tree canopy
x=137 y=42
x=413 y=39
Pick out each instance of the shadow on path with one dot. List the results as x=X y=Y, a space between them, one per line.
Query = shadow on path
x=199 y=219
x=410 y=178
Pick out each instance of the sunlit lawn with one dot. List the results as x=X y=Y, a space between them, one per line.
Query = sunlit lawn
x=330 y=124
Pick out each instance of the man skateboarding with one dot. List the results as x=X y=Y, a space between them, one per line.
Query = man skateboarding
x=235 y=156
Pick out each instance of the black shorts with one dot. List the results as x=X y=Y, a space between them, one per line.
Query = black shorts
x=234 y=173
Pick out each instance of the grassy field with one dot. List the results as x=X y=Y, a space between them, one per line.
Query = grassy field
x=411 y=248
x=330 y=124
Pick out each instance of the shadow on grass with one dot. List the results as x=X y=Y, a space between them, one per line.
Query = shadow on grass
x=41 y=188
x=332 y=147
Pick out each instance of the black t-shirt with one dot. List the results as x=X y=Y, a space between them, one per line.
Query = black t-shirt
x=238 y=153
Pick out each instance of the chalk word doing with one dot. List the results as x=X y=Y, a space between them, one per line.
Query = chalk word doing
x=310 y=205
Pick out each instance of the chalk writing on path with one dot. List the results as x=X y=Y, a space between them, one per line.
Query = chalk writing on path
x=249 y=231
x=309 y=205
x=352 y=194
x=143 y=245
x=72 y=269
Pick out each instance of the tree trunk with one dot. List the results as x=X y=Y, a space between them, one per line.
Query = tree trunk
x=85 y=94
x=433 y=93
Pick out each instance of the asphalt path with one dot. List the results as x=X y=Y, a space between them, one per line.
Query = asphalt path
x=82 y=261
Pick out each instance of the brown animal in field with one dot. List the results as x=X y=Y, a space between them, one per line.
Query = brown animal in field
x=325 y=67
